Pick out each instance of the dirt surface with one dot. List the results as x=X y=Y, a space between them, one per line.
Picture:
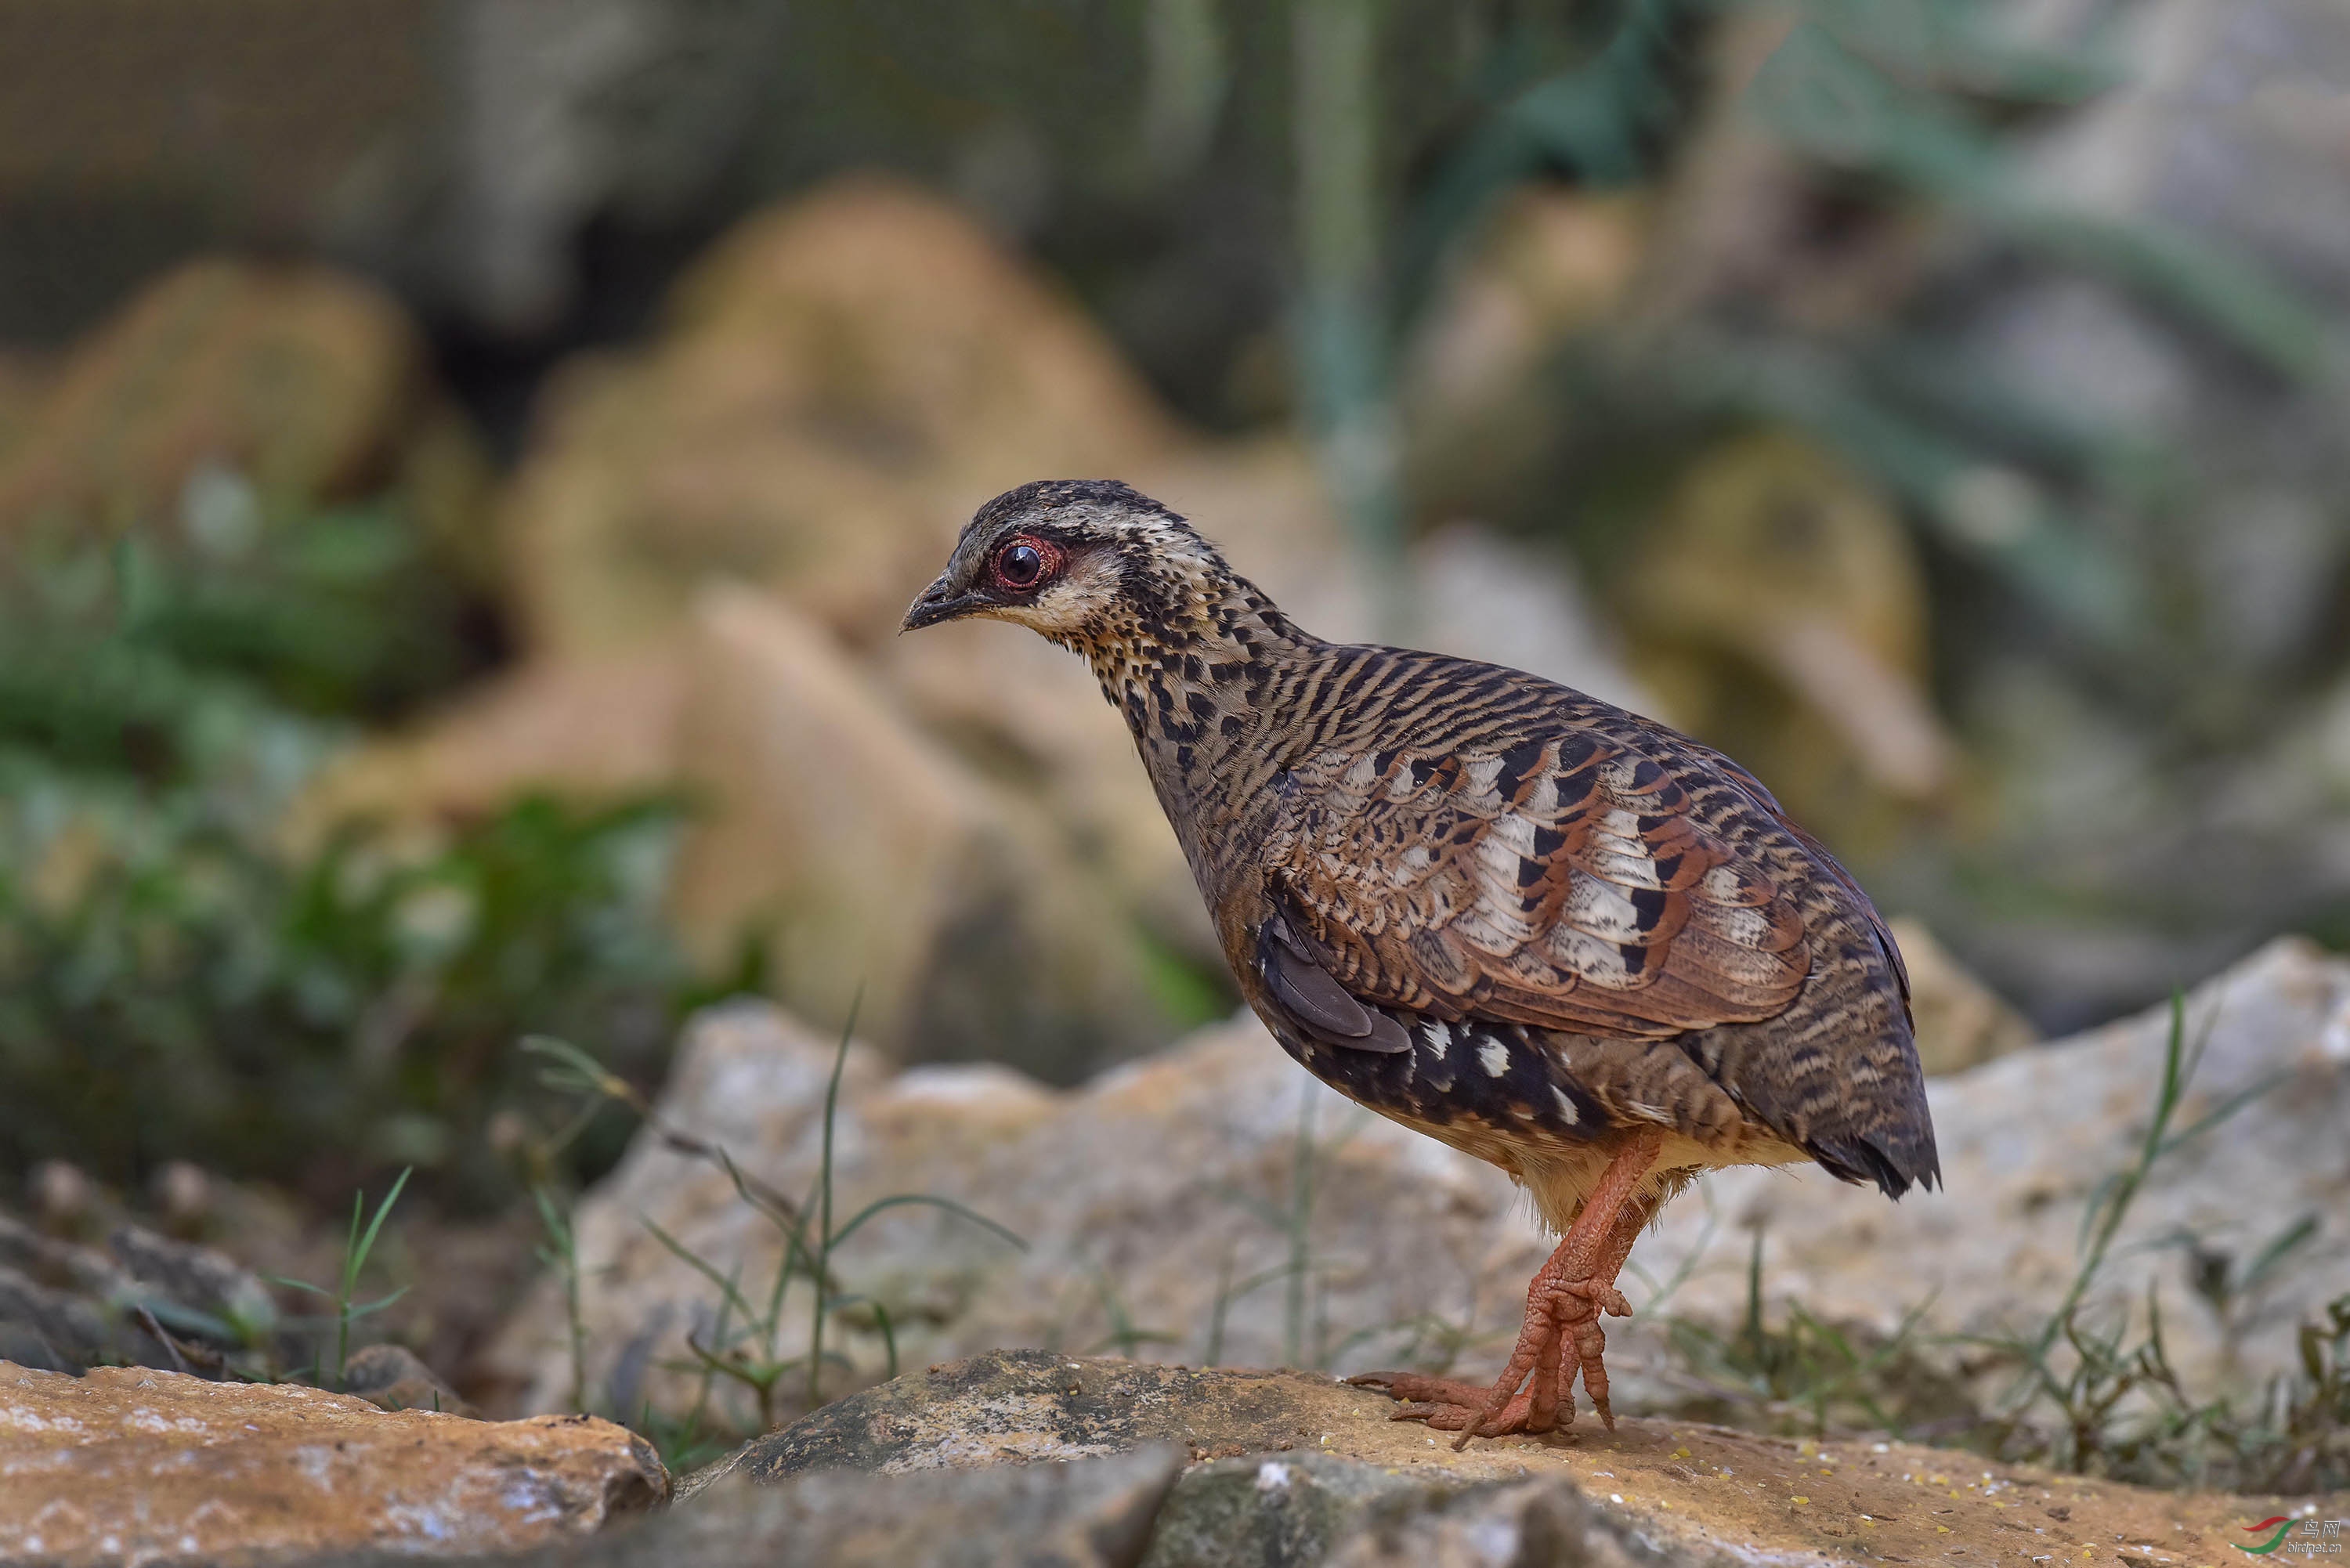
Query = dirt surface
x=1705 y=1488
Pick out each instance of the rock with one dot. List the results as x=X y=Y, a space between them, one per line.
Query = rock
x=392 y=1377
x=841 y=382
x=1777 y=610
x=1096 y=1513
x=1152 y=1202
x=1534 y=1524
x=22 y=380
x=882 y=868
x=1548 y=262
x=1159 y=1204
x=306 y=382
x=1480 y=595
x=1089 y=1514
x=2025 y=1142
x=1296 y=1471
x=1960 y=1022
x=131 y=1466
x=145 y=1298
x=1023 y=1407
x=1481 y=412
x=1278 y=1469
x=587 y=729
x=1291 y=1508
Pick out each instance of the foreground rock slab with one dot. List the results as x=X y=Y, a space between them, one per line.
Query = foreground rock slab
x=126 y=1465
x=1292 y=1468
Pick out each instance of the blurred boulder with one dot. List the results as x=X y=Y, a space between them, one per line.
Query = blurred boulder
x=394 y=1378
x=22 y=380
x=302 y=383
x=590 y=728
x=839 y=384
x=1478 y=411
x=873 y=863
x=1776 y=609
x=1548 y=262
x=143 y=1298
x=1481 y=596
x=126 y=1465
x=1961 y=1023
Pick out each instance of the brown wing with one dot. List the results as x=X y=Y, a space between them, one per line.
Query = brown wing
x=1560 y=879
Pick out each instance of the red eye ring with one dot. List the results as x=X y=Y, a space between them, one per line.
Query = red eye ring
x=1024 y=563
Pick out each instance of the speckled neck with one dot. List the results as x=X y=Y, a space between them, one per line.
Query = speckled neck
x=1190 y=659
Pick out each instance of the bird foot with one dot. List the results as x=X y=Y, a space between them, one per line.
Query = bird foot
x=1444 y=1404
x=1535 y=1392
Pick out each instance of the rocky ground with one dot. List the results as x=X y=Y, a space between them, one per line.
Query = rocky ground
x=1209 y=1207
x=1028 y=1457
x=1304 y=1469
x=1167 y=1209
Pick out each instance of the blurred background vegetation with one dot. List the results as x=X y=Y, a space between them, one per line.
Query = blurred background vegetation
x=461 y=462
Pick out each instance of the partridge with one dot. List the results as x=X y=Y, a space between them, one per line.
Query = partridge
x=1556 y=935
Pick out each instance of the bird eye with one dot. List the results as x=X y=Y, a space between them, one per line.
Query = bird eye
x=1023 y=564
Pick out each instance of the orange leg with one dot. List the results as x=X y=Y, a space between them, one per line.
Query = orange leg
x=1562 y=1307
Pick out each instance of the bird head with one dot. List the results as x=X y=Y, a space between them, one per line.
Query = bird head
x=1078 y=560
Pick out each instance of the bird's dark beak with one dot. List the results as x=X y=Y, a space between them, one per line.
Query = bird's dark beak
x=939 y=602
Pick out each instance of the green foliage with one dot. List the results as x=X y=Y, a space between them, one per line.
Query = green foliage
x=188 y=995
x=1810 y=1376
x=356 y=1247
x=116 y=650
x=1305 y=1328
x=2097 y=1395
x=174 y=982
x=561 y=1254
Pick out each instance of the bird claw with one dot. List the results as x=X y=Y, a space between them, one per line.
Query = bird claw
x=1417 y=1388
x=1560 y=1340
x=1598 y=1293
x=1447 y=1405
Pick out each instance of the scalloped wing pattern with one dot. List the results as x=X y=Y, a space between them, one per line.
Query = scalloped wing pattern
x=1560 y=881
